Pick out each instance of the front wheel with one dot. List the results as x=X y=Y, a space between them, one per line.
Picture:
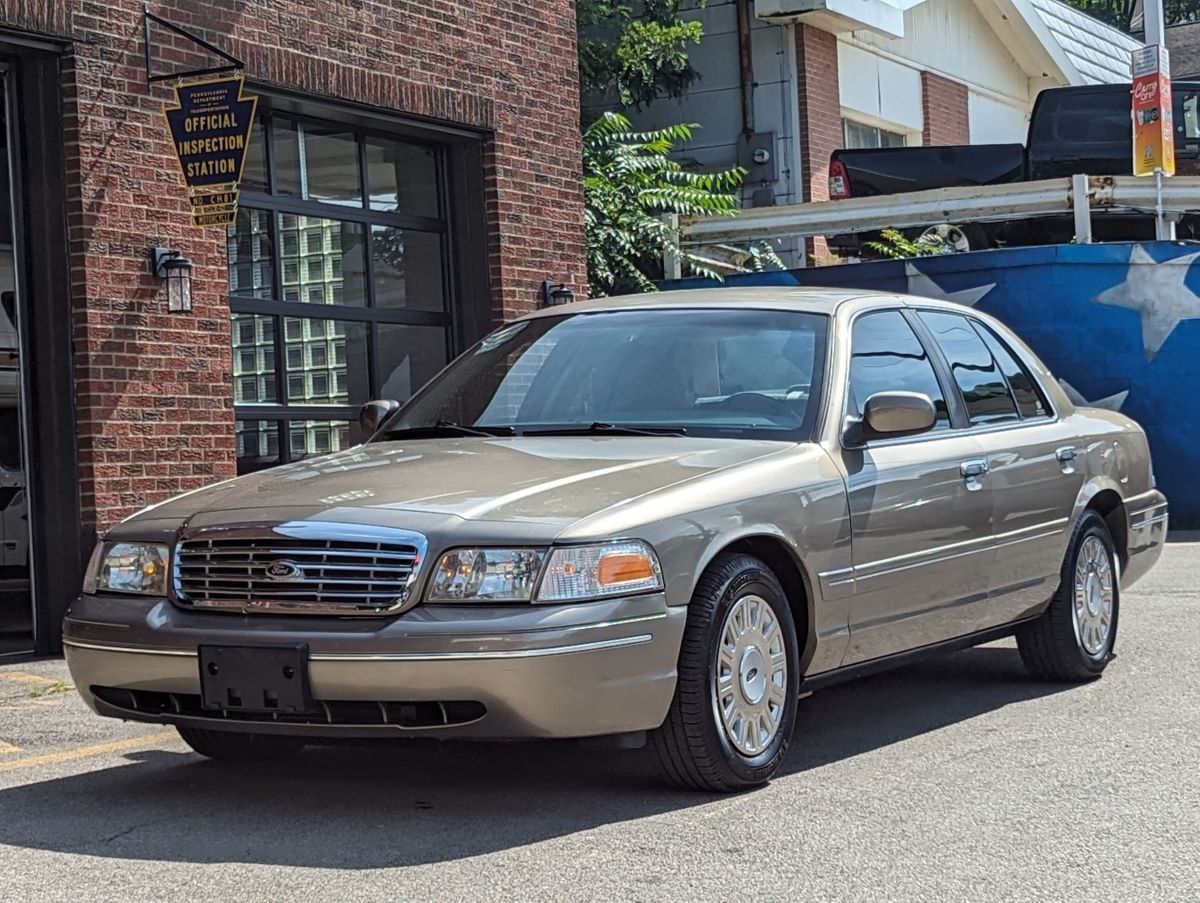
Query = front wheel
x=227 y=746
x=1073 y=641
x=734 y=709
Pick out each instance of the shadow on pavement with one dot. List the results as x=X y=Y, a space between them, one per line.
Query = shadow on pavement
x=385 y=806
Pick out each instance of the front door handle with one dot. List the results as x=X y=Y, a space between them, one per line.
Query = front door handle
x=973 y=472
x=973 y=468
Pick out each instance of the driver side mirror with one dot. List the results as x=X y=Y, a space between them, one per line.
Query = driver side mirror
x=372 y=415
x=893 y=414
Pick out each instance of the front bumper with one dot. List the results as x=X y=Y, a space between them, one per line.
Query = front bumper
x=447 y=671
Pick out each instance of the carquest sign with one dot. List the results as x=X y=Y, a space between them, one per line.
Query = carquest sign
x=210 y=125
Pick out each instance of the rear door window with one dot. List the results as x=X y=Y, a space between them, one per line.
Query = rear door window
x=984 y=388
x=1030 y=400
x=887 y=356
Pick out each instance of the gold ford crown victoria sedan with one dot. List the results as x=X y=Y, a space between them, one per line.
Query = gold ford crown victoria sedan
x=660 y=519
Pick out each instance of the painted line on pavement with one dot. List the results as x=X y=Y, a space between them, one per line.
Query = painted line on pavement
x=6 y=748
x=85 y=752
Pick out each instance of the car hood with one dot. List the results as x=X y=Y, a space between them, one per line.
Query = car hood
x=554 y=480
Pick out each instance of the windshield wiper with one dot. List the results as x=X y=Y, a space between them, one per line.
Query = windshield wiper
x=444 y=427
x=611 y=429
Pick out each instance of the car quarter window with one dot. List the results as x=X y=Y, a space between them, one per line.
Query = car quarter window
x=887 y=356
x=983 y=386
x=1030 y=400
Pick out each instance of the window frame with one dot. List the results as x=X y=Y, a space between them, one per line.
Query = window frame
x=932 y=341
x=905 y=136
x=455 y=225
x=960 y=422
x=959 y=405
x=981 y=328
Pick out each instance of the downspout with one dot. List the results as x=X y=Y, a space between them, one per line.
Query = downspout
x=746 y=59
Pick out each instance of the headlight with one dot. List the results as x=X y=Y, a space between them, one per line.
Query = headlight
x=592 y=572
x=485 y=575
x=128 y=567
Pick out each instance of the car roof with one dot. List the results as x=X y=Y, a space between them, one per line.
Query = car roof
x=806 y=299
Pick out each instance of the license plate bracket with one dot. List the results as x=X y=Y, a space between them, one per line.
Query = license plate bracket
x=258 y=680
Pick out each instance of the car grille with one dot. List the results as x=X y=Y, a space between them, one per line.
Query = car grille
x=302 y=576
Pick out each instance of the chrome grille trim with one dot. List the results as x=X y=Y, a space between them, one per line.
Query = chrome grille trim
x=337 y=569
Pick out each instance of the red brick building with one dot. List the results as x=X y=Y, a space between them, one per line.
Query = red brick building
x=412 y=178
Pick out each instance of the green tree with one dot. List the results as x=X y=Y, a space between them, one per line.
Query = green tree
x=1125 y=14
x=629 y=182
x=631 y=55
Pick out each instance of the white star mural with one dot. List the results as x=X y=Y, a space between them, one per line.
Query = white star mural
x=1109 y=403
x=921 y=285
x=1157 y=291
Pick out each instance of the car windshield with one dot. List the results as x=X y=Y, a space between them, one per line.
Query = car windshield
x=728 y=372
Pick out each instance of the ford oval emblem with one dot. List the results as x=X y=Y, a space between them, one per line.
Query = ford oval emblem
x=284 y=571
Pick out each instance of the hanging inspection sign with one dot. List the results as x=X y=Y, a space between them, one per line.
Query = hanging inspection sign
x=210 y=124
x=1153 y=128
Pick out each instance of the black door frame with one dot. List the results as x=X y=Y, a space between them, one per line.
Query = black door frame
x=42 y=266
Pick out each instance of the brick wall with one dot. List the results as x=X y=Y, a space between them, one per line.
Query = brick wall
x=154 y=402
x=944 y=104
x=820 y=115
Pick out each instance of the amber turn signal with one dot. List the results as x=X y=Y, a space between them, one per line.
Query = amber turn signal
x=624 y=567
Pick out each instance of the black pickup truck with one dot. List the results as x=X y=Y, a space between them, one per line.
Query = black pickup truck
x=1085 y=129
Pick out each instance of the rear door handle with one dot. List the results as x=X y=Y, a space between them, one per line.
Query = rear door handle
x=1066 y=458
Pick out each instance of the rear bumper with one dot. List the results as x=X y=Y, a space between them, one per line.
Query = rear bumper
x=538 y=672
x=1148 y=521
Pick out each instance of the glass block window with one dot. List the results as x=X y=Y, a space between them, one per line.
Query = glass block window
x=337 y=283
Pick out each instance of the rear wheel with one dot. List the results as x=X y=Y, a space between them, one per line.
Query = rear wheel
x=1074 y=639
x=734 y=709
x=227 y=746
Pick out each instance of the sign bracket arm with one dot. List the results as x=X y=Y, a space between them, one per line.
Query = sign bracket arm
x=233 y=63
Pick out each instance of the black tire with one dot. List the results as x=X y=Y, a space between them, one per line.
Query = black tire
x=691 y=748
x=1050 y=646
x=228 y=746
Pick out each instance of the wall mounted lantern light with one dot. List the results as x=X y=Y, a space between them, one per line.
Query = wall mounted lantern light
x=177 y=270
x=555 y=293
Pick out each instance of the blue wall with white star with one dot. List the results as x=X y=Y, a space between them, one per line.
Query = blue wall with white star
x=1118 y=324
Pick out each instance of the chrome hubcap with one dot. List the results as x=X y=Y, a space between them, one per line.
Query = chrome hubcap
x=750 y=678
x=1094 y=597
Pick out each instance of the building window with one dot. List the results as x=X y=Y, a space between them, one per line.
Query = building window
x=858 y=136
x=337 y=268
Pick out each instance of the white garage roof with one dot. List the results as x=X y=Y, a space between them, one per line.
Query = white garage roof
x=1095 y=51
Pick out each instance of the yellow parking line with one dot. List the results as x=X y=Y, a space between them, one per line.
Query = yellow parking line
x=6 y=748
x=83 y=752
x=22 y=677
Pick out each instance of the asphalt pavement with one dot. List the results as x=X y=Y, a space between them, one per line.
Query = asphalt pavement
x=956 y=779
